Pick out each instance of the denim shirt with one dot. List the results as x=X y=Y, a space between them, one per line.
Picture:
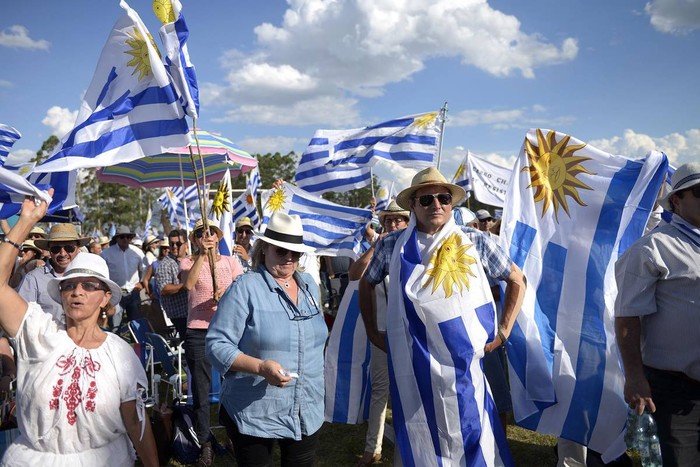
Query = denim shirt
x=256 y=317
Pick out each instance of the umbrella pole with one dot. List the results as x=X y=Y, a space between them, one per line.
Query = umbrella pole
x=203 y=206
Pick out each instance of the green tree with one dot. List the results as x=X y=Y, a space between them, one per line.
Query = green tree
x=46 y=149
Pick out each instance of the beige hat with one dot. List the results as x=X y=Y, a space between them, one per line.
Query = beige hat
x=393 y=209
x=150 y=239
x=243 y=222
x=65 y=232
x=430 y=177
x=29 y=245
x=38 y=231
x=685 y=176
x=285 y=231
x=104 y=240
x=212 y=227
x=165 y=243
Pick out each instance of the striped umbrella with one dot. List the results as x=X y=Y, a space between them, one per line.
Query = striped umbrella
x=166 y=170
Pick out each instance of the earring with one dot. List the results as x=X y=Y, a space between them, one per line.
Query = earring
x=103 y=314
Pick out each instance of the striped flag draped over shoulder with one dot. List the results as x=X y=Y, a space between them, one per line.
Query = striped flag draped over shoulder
x=131 y=108
x=332 y=229
x=340 y=160
x=571 y=210
x=8 y=136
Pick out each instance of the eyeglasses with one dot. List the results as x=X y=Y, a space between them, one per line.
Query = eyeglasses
x=427 y=200
x=244 y=231
x=396 y=221
x=282 y=252
x=87 y=286
x=56 y=249
x=489 y=219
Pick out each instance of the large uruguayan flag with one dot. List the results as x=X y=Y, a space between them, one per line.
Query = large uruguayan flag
x=346 y=371
x=174 y=34
x=571 y=210
x=176 y=201
x=222 y=211
x=13 y=189
x=489 y=181
x=63 y=184
x=340 y=160
x=332 y=229
x=442 y=315
x=244 y=205
x=131 y=108
x=8 y=136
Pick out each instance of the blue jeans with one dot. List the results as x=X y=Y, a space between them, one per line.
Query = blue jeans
x=131 y=303
x=200 y=380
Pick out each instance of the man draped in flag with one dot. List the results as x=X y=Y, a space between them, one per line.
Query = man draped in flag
x=131 y=108
x=8 y=136
x=340 y=160
x=570 y=211
x=442 y=321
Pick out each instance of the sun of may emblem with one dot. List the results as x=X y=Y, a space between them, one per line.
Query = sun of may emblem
x=450 y=265
x=139 y=51
x=425 y=120
x=164 y=11
x=221 y=201
x=553 y=170
x=277 y=200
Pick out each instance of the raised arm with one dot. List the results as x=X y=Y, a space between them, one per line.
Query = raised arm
x=12 y=306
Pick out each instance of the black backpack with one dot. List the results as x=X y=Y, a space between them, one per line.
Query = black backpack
x=186 y=447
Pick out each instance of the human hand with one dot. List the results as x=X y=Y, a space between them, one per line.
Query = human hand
x=240 y=251
x=34 y=209
x=638 y=394
x=209 y=241
x=270 y=370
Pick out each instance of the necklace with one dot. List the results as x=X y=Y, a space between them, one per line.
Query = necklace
x=283 y=282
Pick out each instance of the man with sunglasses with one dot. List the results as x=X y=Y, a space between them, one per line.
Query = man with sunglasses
x=244 y=235
x=657 y=313
x=63 y=244
x=173 y=296
x=126 y=267
x=441 y=320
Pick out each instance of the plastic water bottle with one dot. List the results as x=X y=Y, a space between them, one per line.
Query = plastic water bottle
x=642 y=436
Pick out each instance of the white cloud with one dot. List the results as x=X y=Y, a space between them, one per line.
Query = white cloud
x=272 y=144
x=60 y=120
x=674 y=16
x=6 y=84
x=503 y=119
x=19 y=157
x=679 y=147
x=18 y=37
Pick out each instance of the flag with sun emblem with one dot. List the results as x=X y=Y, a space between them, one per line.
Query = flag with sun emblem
x=223 y=216
x=131 y=108
x=570 y=211
x=340 y=160
x=332 y=229
x=178 y=202
x=244 y=205
x=384 y=196
x=461 y=176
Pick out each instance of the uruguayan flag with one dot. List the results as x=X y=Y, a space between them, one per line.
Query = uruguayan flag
x=332 y=229
x=13 y=189
x=181 y=205
x=384 y=196
x=174 y=34
x=347 y=372
x=148 y=224
x=8 y=136
x=340 y=160
x=244 y=205
x=461 y=176
x=441 y=316
x=571 y=210
x=221 y=209
x=131 y=108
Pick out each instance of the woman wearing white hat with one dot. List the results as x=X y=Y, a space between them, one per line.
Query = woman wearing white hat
x=78 y=388
x=268 y=338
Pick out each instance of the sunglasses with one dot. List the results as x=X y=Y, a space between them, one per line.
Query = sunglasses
x=694 y=190
x=87 y=286
x=56 y=249
x=427 y=200
x=200 y=233
x=244 y=231
x=123 y=236
x=35 y=237
x=282 y=252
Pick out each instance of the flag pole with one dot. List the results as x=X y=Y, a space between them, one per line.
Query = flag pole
x=443 y=117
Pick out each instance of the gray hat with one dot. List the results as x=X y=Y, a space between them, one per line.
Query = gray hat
x=123 y=230
x=686 y=176
x=483 y=214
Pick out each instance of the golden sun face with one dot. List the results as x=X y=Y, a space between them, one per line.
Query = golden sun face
x=139 y=51
x=221 y=202
x=164 y=11
x=277 y=200
x=553 y=169
x=450 y=266
x=249 y=198
x=425 y=120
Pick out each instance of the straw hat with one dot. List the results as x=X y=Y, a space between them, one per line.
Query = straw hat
x=212 y=228
x=393 y=209
x=149 y=240
x=29 y=245
x=430 y=177
x=286 y=231
x=65 y=232
x=165 y=243
x=38 y=231
x=244 y=222
x=86 y=265
x=686 y=176
x=104 y=240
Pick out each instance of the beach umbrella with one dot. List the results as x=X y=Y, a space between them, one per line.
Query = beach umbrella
x=176 y=168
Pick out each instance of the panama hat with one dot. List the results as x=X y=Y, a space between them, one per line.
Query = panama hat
x=38 y=231
x=29 y=245
x=86 y=265
x=686 y=176
x=104 y=240
x=165 y=243
x=65 y=232
x=430 y=177
x=244 y=222
x=212 y=228
x=393 y=209
x=286 y=231
x=150 y=239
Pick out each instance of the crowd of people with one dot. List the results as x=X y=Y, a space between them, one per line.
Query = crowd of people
x=429 y=277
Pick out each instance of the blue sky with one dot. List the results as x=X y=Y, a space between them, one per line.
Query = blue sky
x=621 y=75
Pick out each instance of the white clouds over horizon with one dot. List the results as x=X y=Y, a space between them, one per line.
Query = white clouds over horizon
x=674 y=16
x=60 y=120
x=17 y=36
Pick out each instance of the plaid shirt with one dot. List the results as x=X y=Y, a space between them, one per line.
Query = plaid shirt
x=175 y=305
x=495 y=261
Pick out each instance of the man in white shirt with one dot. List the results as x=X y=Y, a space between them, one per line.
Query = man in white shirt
x=126 y=268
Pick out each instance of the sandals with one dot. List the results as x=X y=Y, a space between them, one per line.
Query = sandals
x=366 y=460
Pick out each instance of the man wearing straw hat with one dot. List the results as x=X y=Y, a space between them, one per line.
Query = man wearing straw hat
x=441 y=320
x=63 y=244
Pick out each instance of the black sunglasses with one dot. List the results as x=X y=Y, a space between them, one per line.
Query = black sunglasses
x=282 y=252
x=427 y=200
x=200 y=233
x=87 y=286
x=175 y=244
x=56 y=249
x=694 y=190
x=245 y=231
x=123 y=236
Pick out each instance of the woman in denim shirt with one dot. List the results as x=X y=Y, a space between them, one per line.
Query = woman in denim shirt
x=267 y=338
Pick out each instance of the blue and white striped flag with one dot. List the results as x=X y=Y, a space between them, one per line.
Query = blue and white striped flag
x=340 y=160
x=332 y=229
x=63 y=183
x=131 y=108
x=461 y=176
x=13 y=189
x=384 y=196
x=174 y=34
x=222 y=212
x=571 y=210
x=347 y=372
x=244 y=205
x=8 y=136
x=173 y=201
x=147 y=224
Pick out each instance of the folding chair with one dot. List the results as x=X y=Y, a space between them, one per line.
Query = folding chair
x=138 y=328
x=167 y=357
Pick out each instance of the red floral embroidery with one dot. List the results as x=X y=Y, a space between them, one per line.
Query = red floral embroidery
x=79 y=368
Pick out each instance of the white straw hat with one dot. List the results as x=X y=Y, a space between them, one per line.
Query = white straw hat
x=286 y=231
x=686 y=176
x=86 y=265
